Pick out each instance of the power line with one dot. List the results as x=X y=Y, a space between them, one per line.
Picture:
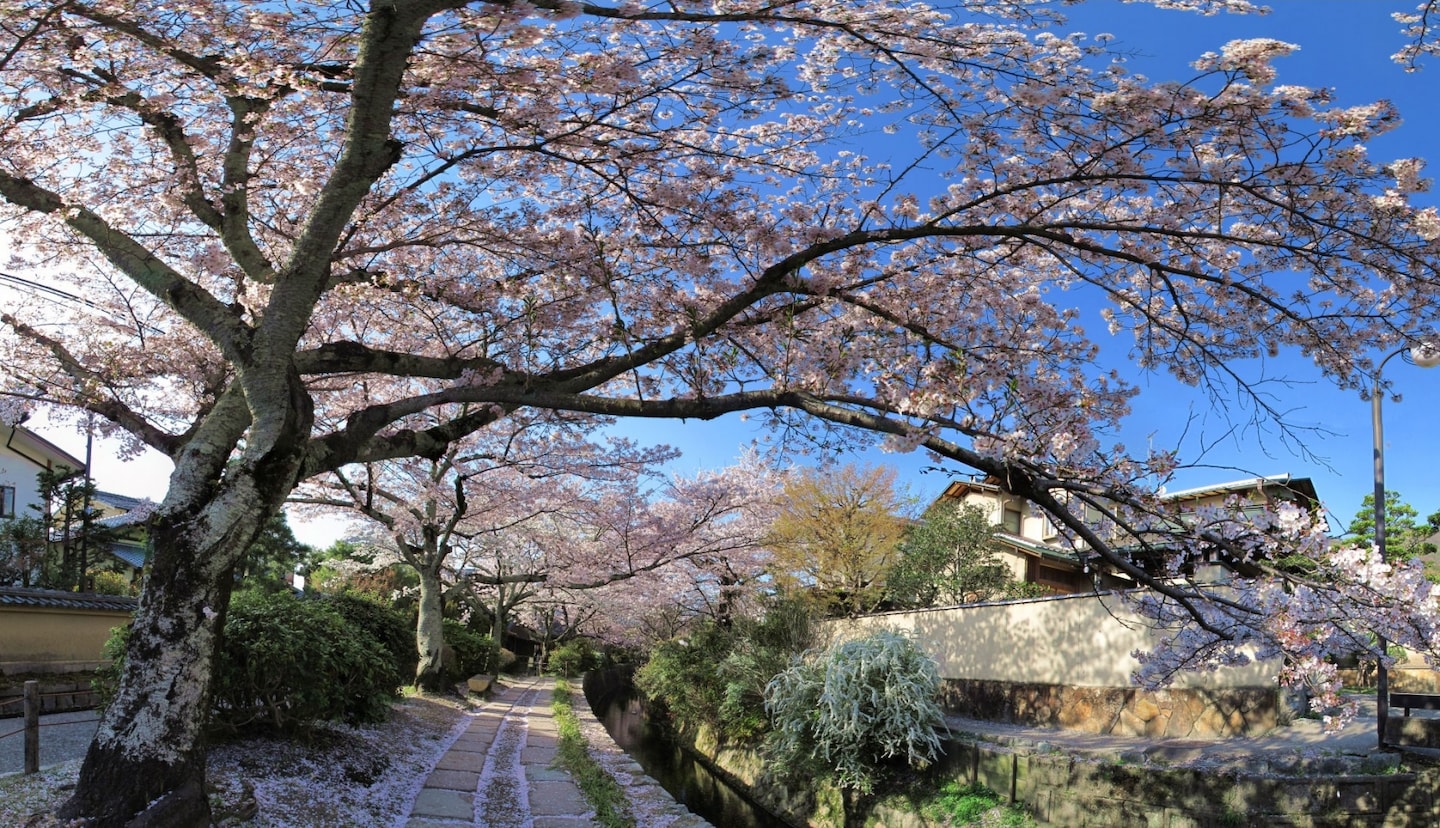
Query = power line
x=49 y=291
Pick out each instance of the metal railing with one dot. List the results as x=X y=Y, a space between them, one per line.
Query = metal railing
x=31 y=731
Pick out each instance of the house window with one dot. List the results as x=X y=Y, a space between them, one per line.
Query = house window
x=1059 y=580
x=1010 y=520
x=7 y=501
x=1048 y=530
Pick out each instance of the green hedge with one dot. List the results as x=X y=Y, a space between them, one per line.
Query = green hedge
x=390 y=628
x=475 y=654
x=285 y=662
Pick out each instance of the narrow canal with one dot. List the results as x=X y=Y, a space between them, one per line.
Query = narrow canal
x=622 y=710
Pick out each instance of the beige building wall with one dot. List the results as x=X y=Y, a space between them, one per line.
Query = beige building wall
x=41 y=640
x=1076 y=640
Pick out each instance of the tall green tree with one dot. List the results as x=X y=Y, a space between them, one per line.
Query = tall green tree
x=22 y=550
x=835 y=535
x=1406 y=536
x=274 y=556
x=949 y=557
x=71 y=518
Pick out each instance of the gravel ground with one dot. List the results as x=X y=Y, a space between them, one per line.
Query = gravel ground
x=344 y=777
x=63 y=736
x=502 y=782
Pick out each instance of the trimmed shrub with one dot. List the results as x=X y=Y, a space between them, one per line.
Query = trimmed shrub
x=286 y=662
x=388 y=626
x=857 y=710
x=110 y=583
x=717 y=675
x=680 y=674
x=572 y=658
x=474 y=654
x=107 y=675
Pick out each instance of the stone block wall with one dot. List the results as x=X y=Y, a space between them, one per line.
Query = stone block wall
x=58 y=694
x=1413 y=731
x=1062 y=790
x=1127 y=711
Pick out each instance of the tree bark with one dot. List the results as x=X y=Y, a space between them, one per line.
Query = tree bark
x=146 y=765
x=430 y=632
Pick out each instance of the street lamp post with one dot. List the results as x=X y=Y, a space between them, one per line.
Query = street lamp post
x=1425 y=354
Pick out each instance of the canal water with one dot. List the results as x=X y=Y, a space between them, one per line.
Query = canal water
x=622 y=710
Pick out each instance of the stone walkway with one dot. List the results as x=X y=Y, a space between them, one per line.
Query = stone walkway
x=498 y=774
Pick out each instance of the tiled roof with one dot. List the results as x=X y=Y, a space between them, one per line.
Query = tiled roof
x=1043 y=550
x=23 y=597
x=135 y=556
x=119 y=501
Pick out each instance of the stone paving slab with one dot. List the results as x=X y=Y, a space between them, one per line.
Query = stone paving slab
x=461 y=760
x=557 y=798
x=453 y=780
x=437 y=802
x=474 y=744
x=538 y=755
x=543 y=773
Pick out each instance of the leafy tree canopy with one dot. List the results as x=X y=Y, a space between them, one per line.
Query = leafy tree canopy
x=294 y=229
x=1405 y=536
x=949 y=557
x=835 y=534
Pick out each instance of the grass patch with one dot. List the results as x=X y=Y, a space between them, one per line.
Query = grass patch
x=612 y=810
x=973 y=804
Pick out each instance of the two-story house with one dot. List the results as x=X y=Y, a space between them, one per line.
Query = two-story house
x=1036 y=552
x=24 y=454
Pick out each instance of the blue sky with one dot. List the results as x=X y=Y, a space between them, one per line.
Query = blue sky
x=1345 y=44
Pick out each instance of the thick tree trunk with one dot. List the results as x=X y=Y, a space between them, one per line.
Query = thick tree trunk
x=146 y=766
x=430 y=633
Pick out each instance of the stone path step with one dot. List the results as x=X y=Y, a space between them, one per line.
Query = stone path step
x=498 y=774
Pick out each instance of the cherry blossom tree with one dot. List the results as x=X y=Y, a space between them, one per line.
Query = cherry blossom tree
x=537 y=512
x=436 y=514
x=697 y=545
x=857 y=218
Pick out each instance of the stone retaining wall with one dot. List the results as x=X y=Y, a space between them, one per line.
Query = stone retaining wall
x=1126 y=711
x=58 y=694
x=1063 y=790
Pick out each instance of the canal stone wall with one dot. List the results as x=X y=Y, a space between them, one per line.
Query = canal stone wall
x=1120 y=791
x=1064 y=790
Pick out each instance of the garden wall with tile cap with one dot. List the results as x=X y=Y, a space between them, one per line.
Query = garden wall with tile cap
x=51 y=631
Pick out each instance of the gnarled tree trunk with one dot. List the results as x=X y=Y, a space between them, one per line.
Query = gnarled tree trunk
x=146 y=765
x=148 y=756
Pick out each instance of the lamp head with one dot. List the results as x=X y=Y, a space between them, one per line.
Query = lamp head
x=1426 y=352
